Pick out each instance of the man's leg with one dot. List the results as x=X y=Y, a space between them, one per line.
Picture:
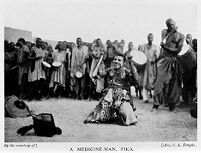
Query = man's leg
x=30 y=91
x=145 y=95
x=38 y=91
x=24 y=86
x=82 y=87
x=67 y=89
x=192 y=86
x=173 y=94
x=185 y=92
x=44 y=87
x=76 y=87
x=131 y=99
x=156 y=104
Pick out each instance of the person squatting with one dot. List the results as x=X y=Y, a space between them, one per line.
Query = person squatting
x=82 y=70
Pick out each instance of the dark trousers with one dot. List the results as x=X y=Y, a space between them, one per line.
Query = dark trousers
x=189 y=86
x=24 y=86
x=67 y=92
x=11 y=83
x=38 y=89
x=79 y=87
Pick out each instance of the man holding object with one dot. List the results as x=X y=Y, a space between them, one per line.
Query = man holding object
x=167 y=88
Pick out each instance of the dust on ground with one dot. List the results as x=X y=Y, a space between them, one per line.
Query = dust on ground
x=69 y=115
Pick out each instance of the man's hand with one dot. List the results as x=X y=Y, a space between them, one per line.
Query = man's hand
x=162 y=44
x=153 y=62
x=129 y=56
x=72 y=74
x=39 y=57
x=102 y=53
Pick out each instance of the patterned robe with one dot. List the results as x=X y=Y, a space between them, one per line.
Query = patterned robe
x=115 y=104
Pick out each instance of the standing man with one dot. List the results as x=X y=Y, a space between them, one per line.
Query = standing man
x=130 y=49
x=78 y=64
x=129 y=64
x=149 y=75
x=10 y=59
x=22 y=63
x=89 y=92
x=112 y=51
x=189 y=40
x=96 y=57
x=36 y=75
x=194 y=42
x=167 y=88
x=189 y=78
x=122 y=44
x=71 y=46
x=59 y=73
x=67 y=66
x=49 y=59
x=110 y=54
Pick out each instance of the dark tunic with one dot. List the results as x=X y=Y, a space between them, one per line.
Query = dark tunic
x=10 y=72
x=119 y=79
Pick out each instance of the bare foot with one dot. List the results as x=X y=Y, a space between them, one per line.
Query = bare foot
x=154 y=110
x=89 y=99
x=173 y=111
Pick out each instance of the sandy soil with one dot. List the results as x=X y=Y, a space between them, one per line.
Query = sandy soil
x=69 y=116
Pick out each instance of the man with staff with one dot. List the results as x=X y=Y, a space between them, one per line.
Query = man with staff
x=167 y=89
x=98 y=67
x=149 y=73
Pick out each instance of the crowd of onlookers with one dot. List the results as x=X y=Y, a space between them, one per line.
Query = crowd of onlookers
x=28 y=76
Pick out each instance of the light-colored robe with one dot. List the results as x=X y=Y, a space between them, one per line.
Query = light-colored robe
x=58 y=75
x=152 y=52
x=38 y=72
x=79 y=56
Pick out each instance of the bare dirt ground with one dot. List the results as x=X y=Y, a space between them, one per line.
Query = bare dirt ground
x=69 y=116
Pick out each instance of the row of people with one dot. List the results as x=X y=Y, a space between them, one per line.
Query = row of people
x=83 y=66
x=34 y=79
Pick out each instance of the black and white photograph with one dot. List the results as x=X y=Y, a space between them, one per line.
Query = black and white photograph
x=119 y=72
